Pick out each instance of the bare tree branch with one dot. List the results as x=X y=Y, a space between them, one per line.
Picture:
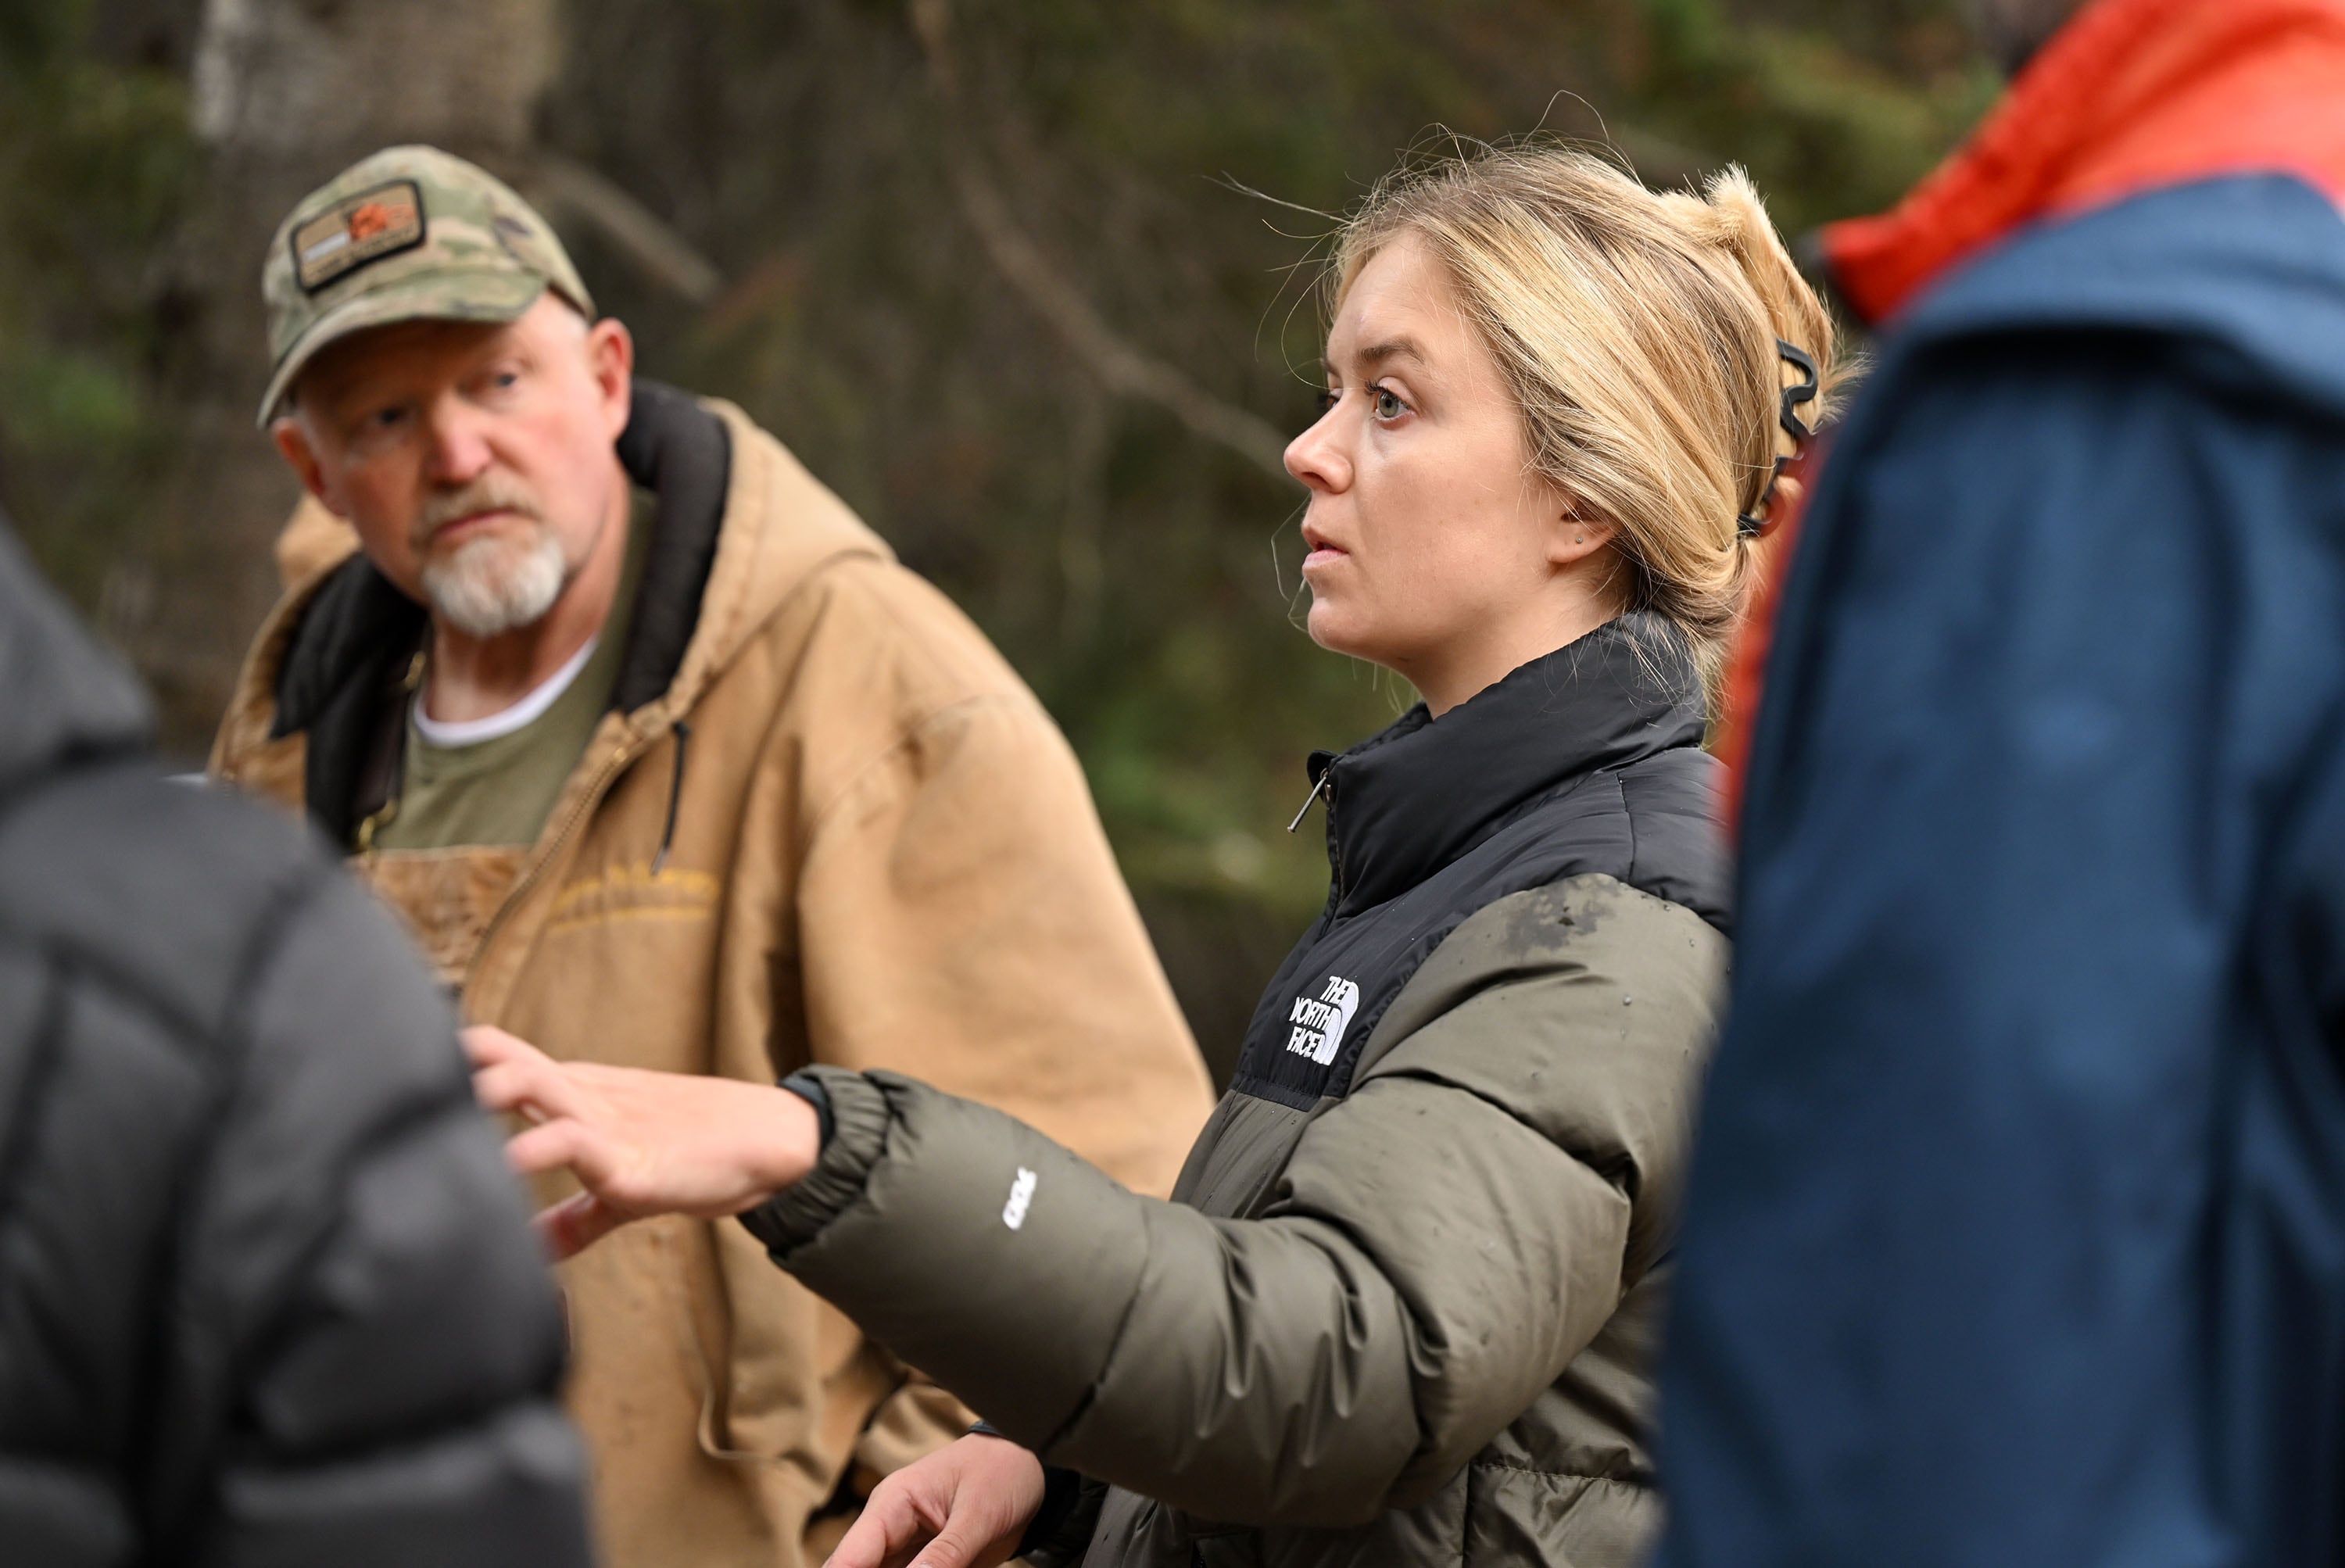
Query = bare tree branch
x=634 y=230
x=1122 y=368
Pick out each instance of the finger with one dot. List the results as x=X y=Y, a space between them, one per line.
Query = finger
x=962 y=1543
x=577 y=1223
x=883 y=1534
x=565 y=1145
x=538 y=1085
x=541 y=1089
x=500 y=1088
x=486 y=1045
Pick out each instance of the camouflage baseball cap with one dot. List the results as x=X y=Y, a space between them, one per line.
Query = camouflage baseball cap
x=409 y=234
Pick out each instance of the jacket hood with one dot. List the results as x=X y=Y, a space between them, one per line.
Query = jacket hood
x=2171 y=167
x=738 y=524
x=67 y=700
x=356 y=620
x=2132 y=96
x=2251 y=269
x=1413 y=798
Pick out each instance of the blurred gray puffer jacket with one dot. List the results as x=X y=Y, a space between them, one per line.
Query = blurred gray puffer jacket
x=267 y=1293
x=1402 y=1309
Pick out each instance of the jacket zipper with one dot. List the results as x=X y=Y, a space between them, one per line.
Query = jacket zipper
x=1318 y=785
x=1325 y=784
x=683 y=733
x=1334 y=848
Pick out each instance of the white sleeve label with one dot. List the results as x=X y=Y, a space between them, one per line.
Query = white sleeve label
x=1021 y=1193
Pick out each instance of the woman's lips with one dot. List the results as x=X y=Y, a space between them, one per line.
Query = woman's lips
x=1325 y=556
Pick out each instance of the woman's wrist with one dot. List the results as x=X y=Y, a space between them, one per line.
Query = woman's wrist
x=786 y=1141
x=837 y=1166
x=809 y=1087
x=1061 y=1488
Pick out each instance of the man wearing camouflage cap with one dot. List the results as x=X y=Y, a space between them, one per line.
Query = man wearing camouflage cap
x=666 y=762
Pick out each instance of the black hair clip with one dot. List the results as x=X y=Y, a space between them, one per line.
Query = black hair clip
x=1795 y=396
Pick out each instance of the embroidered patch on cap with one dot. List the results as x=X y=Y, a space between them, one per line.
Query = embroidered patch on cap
x=356 y=231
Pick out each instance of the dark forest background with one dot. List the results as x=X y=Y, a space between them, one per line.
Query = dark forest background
x=1013 y=276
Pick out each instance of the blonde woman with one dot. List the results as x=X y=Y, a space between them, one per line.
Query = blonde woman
x=1402 y=1307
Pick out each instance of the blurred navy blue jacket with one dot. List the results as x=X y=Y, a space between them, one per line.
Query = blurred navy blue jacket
x=2016 y=1233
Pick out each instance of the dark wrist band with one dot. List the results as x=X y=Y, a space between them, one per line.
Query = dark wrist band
x=809 y=1087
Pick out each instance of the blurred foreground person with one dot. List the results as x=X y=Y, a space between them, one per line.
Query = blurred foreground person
x=2017 y=1233
x=668 y=762
x=267 y=1292
x=1402 y=1308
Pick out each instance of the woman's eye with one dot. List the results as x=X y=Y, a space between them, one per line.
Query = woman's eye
x=1329 y=400
x=1388 y=405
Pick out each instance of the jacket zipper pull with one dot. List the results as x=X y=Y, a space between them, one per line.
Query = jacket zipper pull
x=675 y=797
x=1317 y=789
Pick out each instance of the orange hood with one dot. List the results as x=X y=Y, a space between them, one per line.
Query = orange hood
x=2132 y=96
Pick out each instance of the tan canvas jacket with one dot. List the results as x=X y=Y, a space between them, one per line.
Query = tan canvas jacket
x=879 y=852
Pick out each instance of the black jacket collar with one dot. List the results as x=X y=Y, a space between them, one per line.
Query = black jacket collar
x=1406 y=802
x=679 y=452
x=345 y=659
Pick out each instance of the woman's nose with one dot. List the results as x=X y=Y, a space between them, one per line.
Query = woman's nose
x=1316 y=457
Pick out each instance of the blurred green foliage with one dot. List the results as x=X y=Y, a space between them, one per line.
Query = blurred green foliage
x=1142 y=579
x=96 y=163
x=872 y=332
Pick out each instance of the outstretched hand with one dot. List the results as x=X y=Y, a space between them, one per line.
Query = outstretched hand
x=964 y=1506
x=640 y=1143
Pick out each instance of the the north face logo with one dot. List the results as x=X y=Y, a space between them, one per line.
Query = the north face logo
x=1318 y=1024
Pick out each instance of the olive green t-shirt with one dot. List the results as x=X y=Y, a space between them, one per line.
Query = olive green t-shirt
x=500 y=791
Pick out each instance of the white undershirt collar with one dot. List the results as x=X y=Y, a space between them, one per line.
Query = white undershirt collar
x=520 y=716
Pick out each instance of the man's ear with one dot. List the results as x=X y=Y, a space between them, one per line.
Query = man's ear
x=293 y=445
x=611 y=359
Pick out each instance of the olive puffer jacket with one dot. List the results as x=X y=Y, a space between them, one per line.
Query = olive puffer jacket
x=267 y=1291
x=1402 y=1309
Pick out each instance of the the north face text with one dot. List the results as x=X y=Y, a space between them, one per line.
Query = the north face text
x=1318 y=1024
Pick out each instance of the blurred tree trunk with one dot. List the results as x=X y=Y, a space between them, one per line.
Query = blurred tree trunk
x=287 y=92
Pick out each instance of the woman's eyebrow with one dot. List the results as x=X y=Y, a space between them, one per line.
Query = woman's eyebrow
x=1390 y=350
x=1383 y=353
